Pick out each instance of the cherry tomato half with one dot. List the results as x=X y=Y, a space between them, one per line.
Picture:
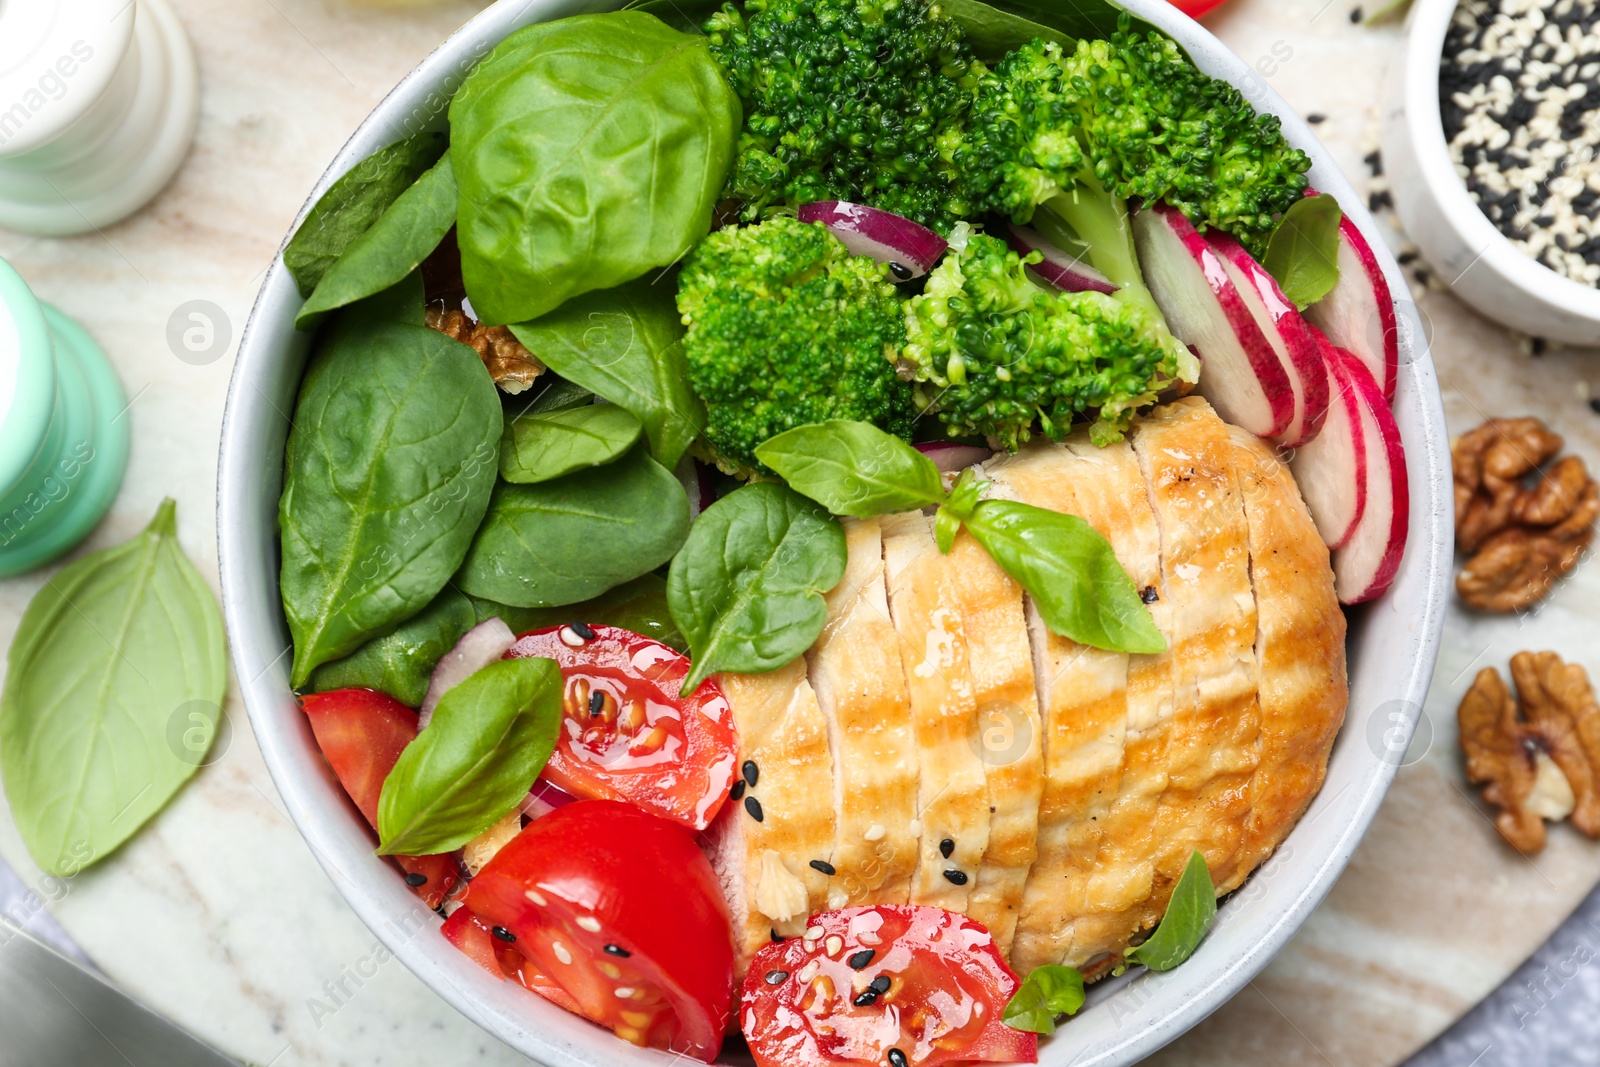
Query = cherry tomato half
x=627 y=735
x=1195 y=8
x=621 y=909
x=875 y=979
x=476 y=939
x=361 y=733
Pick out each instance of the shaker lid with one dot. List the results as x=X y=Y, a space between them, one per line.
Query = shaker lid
x=27 y=374
x=56 y=59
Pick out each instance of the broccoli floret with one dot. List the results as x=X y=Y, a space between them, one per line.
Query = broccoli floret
x=995 y=354
x=786 y=328
x=846 y=100
x=1133 y=114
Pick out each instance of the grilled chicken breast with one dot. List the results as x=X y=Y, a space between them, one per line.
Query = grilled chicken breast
x=939 y=745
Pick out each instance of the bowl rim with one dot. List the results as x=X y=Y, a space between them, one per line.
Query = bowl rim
x=1427 y=26
x=1127 y=1018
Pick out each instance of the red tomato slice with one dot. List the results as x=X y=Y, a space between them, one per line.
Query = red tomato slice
x=621 y=909
x=361 y=733
x=874 y=980
x=627 y=734
x=476 y=940
x=1195 y=8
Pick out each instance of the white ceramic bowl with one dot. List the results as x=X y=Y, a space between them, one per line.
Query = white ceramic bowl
x=1392 y=648
x=1490 y=274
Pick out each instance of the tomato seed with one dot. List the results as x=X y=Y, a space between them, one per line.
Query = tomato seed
x=650 y=742
x=860 y=959
x=632 y=717
x=505 y=935
x=416 y=881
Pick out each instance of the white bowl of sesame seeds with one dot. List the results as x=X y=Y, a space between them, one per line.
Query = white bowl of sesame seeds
x=1490 y=142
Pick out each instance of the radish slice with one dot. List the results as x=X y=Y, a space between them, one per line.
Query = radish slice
x=1291 y=337
x=1367 y=563
x=478 y=647
x=1060 y=269
x=1240 y=373
x=1332 y=469
x=1358 y=314
x=952 y=457
x=909 y=249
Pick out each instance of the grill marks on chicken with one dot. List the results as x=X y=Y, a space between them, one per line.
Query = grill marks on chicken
x=1065 y=843
x=856 y=671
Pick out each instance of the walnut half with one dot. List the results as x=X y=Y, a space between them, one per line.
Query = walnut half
x=1523 y=529
x=1542 y=763
x=512 y=366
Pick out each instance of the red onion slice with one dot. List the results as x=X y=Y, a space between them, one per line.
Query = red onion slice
x=478 y=647
x=910 y=250
x=1059 y=268
x=952 y=457
x=544 y=798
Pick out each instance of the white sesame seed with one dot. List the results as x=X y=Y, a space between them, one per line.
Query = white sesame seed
x=814 y=933
x=834 y=944
x=589 y=923
x=625 y=992
x=808 y=972
x=561 y=952
x=570 y=638
x=875 y=832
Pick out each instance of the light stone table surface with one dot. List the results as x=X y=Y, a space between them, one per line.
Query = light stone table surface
x=216 y=914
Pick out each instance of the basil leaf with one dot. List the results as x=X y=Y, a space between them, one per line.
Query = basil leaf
x=390 y=463
x=1303 y=253
x=546 y=445
x=853 y=468
x=626 y=345
x=393 y=247
x=489 y=738
x=1071 y=572
x=964 y=499
x=993 y=32
x=1190 y=912
x=401 y=663
x=113 y=693
x=639 y=605
x=589 y=150
x=354 y=202
x=746 y=590
x=572 y=538
x=1048 y=992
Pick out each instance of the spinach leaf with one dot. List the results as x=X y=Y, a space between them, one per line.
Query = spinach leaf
x=1082 y=19
x=1303 y=253
x=589 y=150
x=747 y=588
x=546 y=445
x=389 y=468
x=993 y=31
x=572 y=538
x=489 y=739
x=405 y=301
x=1048 y=992
x=392 y=248
x=853 y=468
x=113 y=693
x=626 y=345
x=401 y=663
x=1070 y=571
x=354 y=202
x=1190 y=912
x=639 y=605
x=558 y=394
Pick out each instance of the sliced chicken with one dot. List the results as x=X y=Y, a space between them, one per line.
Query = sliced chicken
x=860 y=683
x=952 y=826
x=1213 y=745
x=762 y=846
x=1008 y=741
x=1299 y=648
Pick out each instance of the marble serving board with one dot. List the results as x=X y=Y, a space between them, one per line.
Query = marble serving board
x=216 y=914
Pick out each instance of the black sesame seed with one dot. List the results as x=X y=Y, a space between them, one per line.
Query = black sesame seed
x=505 y=935
x=1149 y=595
x=824 y=866
x=737 y=792
x=1537 y=346
x=776 y=940
x=1316 y=118
x=860 y=959
x=753 y=806
x=899 y=270
x=416 y=881
x=1594 y=405
x=776 y=977
x=1355 y=14
x=597 y=703
x=880 y=985
x=865 y=998
x=751 y=773
x=618 y=951
x=1374 y=162
x=897 y=1058
x=946 y=847
x=956 y=877
x=582 y=630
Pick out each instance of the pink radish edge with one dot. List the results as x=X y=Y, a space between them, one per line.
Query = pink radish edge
x=1346 y=313
x=1375 y=577
x=1321 y=471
